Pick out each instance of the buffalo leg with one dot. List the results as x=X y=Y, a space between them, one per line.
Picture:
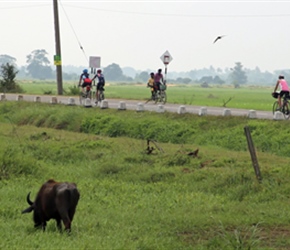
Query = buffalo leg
x=58 y=223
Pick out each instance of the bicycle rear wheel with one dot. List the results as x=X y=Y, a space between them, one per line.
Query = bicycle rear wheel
x=102 y=96
x=275 y=107
x=286 y=111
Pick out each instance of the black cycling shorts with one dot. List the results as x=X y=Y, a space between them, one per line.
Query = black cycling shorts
x=282 y=93
x=100 y=86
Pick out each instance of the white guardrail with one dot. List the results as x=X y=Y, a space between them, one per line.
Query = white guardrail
x=139 y=106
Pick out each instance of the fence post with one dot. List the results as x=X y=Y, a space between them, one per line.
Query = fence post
x=253 y=153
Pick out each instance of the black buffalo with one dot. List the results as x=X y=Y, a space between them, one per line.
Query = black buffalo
x=55 y=200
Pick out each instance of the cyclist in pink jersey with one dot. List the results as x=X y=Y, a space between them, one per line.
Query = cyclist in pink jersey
x=284 y=89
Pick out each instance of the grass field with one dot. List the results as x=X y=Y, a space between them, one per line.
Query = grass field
x=134 y=200
x=246 y=97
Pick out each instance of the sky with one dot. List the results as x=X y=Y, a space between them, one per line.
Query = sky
x=136 y=33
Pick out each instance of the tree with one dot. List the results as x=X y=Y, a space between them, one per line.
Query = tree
x=39 y=65
x=7 y=59
x=185 y=80
x=8 y=74
x=218 y=80
x=113 y=72
x=143 y=76
x=238 y=76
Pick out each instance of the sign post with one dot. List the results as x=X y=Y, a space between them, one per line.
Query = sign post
x=95 y=62
x=166 y=58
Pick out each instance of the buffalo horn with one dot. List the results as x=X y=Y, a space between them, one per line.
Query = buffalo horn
x=28 y=199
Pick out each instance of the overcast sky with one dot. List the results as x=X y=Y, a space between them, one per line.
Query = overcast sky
x=137 y=33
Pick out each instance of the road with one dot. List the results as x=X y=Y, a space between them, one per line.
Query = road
x=150 y=106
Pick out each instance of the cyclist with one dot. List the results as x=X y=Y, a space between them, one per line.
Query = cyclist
x=85 y=80
x=158 y=79
x=150 y=84
x=100 y=84
x=284 y=89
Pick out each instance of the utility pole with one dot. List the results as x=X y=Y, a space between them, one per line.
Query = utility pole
x=57 y=57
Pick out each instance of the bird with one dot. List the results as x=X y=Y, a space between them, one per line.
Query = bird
x=219 y=37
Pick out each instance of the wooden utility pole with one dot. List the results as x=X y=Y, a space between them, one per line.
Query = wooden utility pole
x=253 y=153
x=57 y=58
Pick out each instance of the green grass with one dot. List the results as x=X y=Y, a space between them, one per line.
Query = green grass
x=132 y=200
x=246 y=97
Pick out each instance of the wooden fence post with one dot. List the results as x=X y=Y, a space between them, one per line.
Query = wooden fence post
x=253 y=153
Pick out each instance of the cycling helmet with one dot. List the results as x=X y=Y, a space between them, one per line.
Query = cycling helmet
x=99 y=71
x=281 y=77
x=85 y=71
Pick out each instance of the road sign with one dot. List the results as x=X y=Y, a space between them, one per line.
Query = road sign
x=166 y=58
x=57 y=60
x=95 y=62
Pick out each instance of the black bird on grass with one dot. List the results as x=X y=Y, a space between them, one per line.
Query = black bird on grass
x=219 y=37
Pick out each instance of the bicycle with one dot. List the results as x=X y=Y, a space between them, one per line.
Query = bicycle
x=285 y=106
x=101 y=95
x=88 y=94
x=160 y=96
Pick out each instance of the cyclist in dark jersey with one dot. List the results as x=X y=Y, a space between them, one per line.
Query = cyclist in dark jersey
x=158 y=79
x=101 y=82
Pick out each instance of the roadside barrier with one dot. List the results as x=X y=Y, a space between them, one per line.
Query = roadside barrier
x=104 y=104
x=181 y=110
x=160 y=108
x=252 y=114
x=71 y=101
x=278 y=116
x=2 y=97
x=37 y=99
x=88 y=103
x=19 y=98
x=122 y=105
x=226 y=112
x=202 y=111
x=140 y=107
x=53 y=100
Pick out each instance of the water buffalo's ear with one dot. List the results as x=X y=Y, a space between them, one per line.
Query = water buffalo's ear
x=27 y=210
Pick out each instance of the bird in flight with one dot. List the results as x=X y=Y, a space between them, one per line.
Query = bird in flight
x=219 y=37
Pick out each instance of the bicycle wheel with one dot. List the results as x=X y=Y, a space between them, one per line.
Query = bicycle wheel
x=163 y=97
x=275 y=107
x=102 y=96
x=286 y=111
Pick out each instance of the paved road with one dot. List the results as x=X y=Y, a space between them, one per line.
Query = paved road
x=150 y=106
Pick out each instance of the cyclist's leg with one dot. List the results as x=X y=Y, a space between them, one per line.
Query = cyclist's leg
x=281 y=97
x=83 y=88
x=97 y=92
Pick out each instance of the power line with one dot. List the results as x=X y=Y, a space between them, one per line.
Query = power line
x=81 y=47
x=24 y=6
x=182 y=15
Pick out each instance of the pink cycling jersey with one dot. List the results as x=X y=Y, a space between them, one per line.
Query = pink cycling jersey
x=283 y=85
x=158 y=77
